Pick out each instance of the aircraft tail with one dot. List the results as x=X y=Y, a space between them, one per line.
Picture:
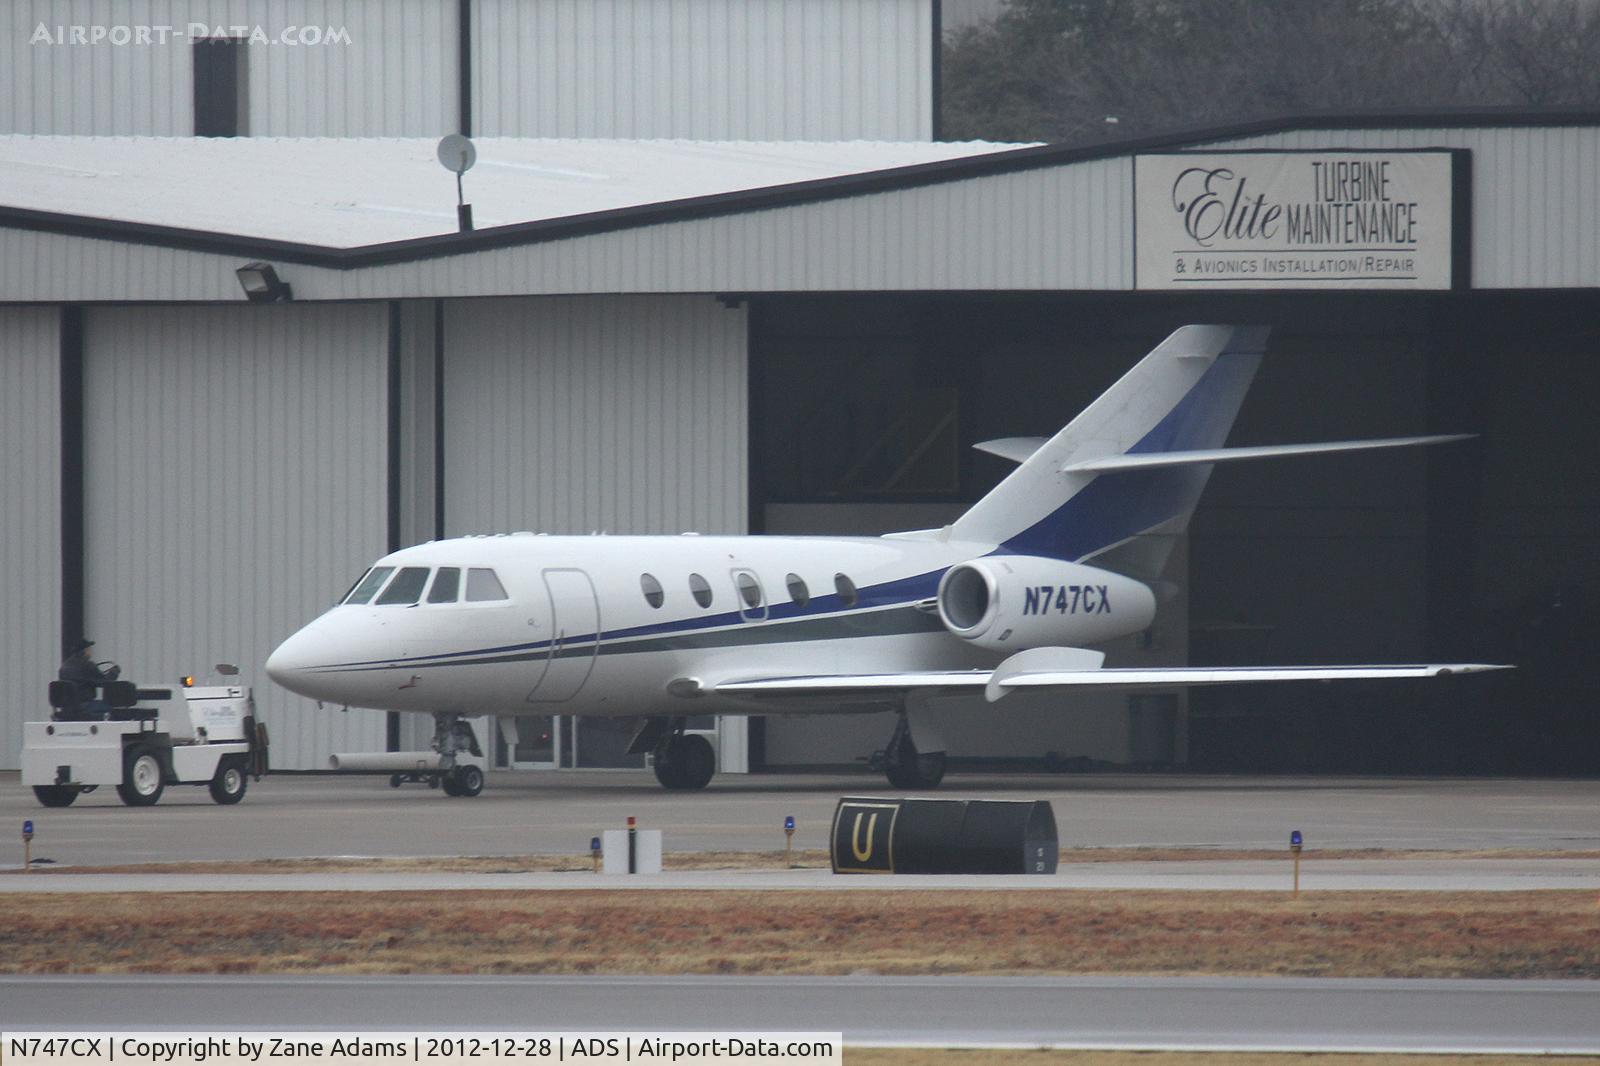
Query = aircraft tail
x=1180 y=398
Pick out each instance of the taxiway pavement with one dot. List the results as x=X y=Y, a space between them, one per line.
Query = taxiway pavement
x=557 y=813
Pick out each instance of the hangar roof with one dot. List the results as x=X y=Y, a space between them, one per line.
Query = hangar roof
x=348 y=192
x=722 y=218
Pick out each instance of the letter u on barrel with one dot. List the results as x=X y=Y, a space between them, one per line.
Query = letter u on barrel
x=862 y=839
x=863 y=854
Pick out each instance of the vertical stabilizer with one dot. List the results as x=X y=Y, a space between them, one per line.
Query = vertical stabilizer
x=1182 y=396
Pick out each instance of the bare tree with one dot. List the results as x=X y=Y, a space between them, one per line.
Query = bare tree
x=1053 y=70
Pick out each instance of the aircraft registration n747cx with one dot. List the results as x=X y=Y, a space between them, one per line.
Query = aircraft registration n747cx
x=1062 y=555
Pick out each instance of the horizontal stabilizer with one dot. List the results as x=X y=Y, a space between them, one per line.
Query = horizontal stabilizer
x=1147 y=460
x=1017 y=674
x=1017 y=449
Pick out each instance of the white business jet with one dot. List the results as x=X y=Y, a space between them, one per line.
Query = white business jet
x=1013 y=596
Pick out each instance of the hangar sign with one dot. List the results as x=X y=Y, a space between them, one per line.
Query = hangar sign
x=1300 y=220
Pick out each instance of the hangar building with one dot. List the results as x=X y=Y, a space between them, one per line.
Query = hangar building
x=777 y=304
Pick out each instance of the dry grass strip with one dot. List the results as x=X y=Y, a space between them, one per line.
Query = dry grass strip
x=1343 y=934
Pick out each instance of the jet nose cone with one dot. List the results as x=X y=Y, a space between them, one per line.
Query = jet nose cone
x=289 y=664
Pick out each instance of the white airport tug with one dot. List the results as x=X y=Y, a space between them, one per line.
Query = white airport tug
x=144 y=739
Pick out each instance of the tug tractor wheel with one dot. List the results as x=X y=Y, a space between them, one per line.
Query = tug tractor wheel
x=686 y=763
x=56 y=795
x=229 y=784
x=468 y=780
x=141 y=778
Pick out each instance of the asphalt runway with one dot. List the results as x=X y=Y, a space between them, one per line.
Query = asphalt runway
x=557 y=813
x=1486 y=1017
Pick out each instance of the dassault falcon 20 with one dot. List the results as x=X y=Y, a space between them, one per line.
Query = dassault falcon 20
x=1062 y=555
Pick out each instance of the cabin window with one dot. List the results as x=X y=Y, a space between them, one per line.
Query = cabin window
x=798 y=591
x=368 y=586
x=484 y=586
x=847 y=590
x=749 y=588
x=406 y=588
x=446 y=586
x=700 y=588
x=654 y=595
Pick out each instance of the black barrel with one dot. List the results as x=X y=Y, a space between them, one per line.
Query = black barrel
x=936 y=836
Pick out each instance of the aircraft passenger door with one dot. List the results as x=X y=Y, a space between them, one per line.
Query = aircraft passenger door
x=575 y=632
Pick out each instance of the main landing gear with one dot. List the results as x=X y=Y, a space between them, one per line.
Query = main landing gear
x=684 y=762
x=904 y=766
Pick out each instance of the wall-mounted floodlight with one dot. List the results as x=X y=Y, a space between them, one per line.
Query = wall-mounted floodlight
x=262 y=285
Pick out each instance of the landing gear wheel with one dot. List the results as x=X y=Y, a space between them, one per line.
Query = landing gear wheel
x=907 y=768
x=56 y=795
x=463 y=781
x=686 y=762
x=228 y=786
x=141 y=778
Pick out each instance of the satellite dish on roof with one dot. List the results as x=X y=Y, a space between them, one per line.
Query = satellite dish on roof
x=456 y=153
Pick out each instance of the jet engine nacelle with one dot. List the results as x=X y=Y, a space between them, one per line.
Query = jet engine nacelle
x=1013 y=602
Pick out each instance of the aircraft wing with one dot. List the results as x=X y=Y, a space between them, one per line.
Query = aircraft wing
x=1022 y=676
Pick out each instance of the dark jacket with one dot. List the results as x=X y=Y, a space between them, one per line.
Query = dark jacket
x=81 y=670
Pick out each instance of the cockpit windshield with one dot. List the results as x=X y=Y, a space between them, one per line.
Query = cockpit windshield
x=368 y=586
x=405 y=589
x=446 y=586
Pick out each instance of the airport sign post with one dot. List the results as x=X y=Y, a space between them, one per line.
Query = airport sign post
x=27 y=844
x=788 y=840
x=1296 y=841
x=594 y=852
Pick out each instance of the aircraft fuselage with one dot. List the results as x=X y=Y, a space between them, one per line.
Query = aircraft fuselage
x=606 y=625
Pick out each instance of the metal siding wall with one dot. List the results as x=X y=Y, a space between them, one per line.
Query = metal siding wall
x=1535 y=196
x=235 y=474
x=48 y=267
x=30 y=520
x=704 y=69
x=418 y=404
x=93 y=89
x=574 y=414
x=396 y=77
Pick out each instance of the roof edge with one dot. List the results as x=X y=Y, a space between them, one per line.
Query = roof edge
x=792 y=194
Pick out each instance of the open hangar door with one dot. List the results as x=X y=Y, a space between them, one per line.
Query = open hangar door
x=865 y=409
